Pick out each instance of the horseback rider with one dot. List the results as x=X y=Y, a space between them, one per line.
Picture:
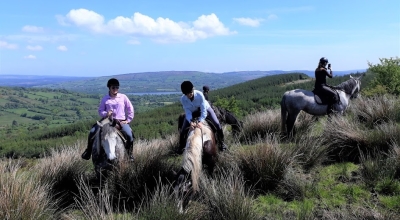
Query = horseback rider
x=120 y=107
x=206 y=89
x=193 y=101
x=321 y=87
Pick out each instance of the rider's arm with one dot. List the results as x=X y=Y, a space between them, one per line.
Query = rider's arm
x=185 y=103
x=203 y=107
x=329 y=73
x=102 y=108
x=129 y=110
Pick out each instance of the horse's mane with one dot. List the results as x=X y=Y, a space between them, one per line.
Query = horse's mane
x=347 y=86
x=192 y=159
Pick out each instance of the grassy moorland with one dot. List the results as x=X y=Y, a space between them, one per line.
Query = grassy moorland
x=37 y=120
x=347 y=167
x=344 y=167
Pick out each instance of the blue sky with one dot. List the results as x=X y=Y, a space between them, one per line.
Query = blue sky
x=104 y=38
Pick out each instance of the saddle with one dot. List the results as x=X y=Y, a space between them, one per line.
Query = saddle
x=116 y=124
x=322 y=99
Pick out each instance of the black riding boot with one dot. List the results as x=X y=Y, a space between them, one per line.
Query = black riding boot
x=182 y=143
x=129 y=149
x=222 y=146
x=88 y=152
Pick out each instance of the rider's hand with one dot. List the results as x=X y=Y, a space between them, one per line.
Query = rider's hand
x=109 y=113
x=123 y=122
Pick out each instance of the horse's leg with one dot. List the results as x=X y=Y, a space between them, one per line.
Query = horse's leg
x=291 y=119
x=209 y=154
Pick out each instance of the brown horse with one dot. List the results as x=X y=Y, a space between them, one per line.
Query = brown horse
x=201 y=149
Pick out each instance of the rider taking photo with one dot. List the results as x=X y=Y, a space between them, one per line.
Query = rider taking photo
x=321 y=87
x=118 y=106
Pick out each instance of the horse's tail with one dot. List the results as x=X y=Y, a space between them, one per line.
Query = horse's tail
x=284 y=113
x=192 y=161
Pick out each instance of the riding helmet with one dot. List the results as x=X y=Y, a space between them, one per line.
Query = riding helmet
x=206 y=88
x=186 y=87
x=323 y=59
x=112 y=82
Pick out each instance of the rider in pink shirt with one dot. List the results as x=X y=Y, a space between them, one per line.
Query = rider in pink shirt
x=120 y=107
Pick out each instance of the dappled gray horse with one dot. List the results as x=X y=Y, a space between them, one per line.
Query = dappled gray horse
x=297 y=100
x=108 y=146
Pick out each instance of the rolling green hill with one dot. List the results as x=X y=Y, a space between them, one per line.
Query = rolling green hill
x=50 y=107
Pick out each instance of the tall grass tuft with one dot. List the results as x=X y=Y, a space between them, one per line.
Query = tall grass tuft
x=310 y=150
x=295 y=185
x=227 y=197
x=264 y=165
x=376 y=110
x=133 y=180
x=162 y=204
x=97 y=205
x=260 y=125
x=344 y=137
x=23 y=195
x=61 y=169
x=377 y=168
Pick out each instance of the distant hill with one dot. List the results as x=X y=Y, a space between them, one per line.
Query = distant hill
x=164 y=81
x=31 y=80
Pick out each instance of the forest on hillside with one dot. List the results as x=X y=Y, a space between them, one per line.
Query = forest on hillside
x=158 y=120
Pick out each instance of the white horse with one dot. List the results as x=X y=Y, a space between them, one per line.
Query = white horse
x=297 y=100
x=108 y=146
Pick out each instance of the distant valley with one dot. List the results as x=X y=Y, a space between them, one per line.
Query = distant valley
x=147 y=82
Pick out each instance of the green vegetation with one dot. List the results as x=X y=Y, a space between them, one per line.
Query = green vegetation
x=387 y=77
x=347 y=167
x=36 y=120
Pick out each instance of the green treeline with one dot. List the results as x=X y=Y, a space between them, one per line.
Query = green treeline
x=150 y=122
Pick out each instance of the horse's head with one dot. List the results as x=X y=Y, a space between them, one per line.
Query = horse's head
x=182 y=188
x=356 y=88
x=109 y=138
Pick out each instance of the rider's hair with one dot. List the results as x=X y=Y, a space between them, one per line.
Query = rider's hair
x=186 y=87
x=112 y=82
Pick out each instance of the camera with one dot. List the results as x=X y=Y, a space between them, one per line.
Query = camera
x=329 y=65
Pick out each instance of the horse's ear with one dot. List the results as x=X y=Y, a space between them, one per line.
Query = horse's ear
x=351 y=77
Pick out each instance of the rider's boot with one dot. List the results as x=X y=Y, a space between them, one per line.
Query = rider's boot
x=129 y=149
x=88 y=152
x=182 y=143
x=222 y=145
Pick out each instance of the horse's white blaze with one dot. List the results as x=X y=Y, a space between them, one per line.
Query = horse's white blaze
x=109 y=148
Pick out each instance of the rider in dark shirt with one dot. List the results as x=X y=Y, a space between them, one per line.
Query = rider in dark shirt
x=321 y=87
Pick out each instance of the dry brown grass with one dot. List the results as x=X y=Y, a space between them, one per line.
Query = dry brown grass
x=265 y=164
x=376 y=110
x=259 y=125
x=23 y=195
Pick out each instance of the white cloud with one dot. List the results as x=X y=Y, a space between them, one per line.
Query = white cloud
x=6 y=45
x=272 y=17
x=34 y=47
x=34 y=38
x=161 y=30
x=249 y=21
x=62 y=48
x=31 y=57
x=133 y=41
x=32 y=29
